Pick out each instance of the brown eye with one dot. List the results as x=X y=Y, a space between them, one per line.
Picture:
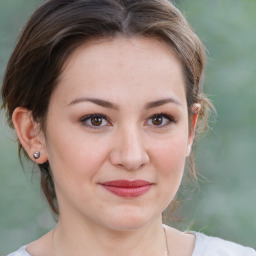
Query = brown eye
x=160 y=120
x=96 y=121
x=157 y=120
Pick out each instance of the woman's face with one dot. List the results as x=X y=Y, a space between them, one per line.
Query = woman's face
x=117 y=132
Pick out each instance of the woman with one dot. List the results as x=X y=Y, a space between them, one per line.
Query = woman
x=104 y=96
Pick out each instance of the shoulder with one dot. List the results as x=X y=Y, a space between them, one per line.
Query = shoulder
x=214 y=246
x=21 y=252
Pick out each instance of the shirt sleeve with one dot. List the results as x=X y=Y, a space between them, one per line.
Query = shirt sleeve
x=21 y=252
x=214 y=246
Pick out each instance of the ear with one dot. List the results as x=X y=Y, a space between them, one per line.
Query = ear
x=29 y=133
x=196 y=109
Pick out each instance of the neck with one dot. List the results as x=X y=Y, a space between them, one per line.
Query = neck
x=76 y=238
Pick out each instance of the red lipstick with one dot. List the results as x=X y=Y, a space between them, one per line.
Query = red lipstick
x=126 y=188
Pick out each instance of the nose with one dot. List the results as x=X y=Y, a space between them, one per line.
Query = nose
x=129 y=151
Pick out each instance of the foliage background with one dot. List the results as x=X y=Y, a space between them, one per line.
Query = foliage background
x=225 y=204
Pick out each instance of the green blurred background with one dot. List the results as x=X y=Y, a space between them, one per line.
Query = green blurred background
x=225 y=204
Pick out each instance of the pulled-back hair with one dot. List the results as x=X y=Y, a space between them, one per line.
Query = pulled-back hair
x=59 y=27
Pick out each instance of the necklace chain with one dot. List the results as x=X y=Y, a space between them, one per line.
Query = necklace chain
x=166 y=244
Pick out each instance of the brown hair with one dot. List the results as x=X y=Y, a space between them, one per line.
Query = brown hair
x=58 y=27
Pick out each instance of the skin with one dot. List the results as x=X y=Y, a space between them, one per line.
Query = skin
x=131 y=74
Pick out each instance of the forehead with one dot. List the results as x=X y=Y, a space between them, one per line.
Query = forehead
x=122 y=66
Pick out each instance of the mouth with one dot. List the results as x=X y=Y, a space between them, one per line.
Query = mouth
x=126 y=188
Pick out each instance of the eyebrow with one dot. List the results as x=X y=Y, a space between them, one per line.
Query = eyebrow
x=107 y=104
x=96 y=101
x=161 y=102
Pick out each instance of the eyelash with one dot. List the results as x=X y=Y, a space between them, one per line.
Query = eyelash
x=86 y=118
x=89 y=117
x=169 y=118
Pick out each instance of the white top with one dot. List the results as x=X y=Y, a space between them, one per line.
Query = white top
x=204 y=246
x=214 y=246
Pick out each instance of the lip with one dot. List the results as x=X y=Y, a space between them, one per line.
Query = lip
x=126 y=188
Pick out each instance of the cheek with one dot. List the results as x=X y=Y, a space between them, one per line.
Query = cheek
x=169 y=162
x=170 y=155
x=75 y=157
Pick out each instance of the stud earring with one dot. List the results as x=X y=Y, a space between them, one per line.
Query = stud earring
x=36 y=155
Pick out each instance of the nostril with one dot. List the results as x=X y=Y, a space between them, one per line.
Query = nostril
x=130 y=167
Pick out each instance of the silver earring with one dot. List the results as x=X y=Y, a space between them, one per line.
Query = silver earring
x=36 y=155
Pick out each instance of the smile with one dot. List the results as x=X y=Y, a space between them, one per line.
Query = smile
x=126 y=188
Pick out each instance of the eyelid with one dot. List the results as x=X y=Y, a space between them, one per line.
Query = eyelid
x=169 y=117
x=87 y=117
